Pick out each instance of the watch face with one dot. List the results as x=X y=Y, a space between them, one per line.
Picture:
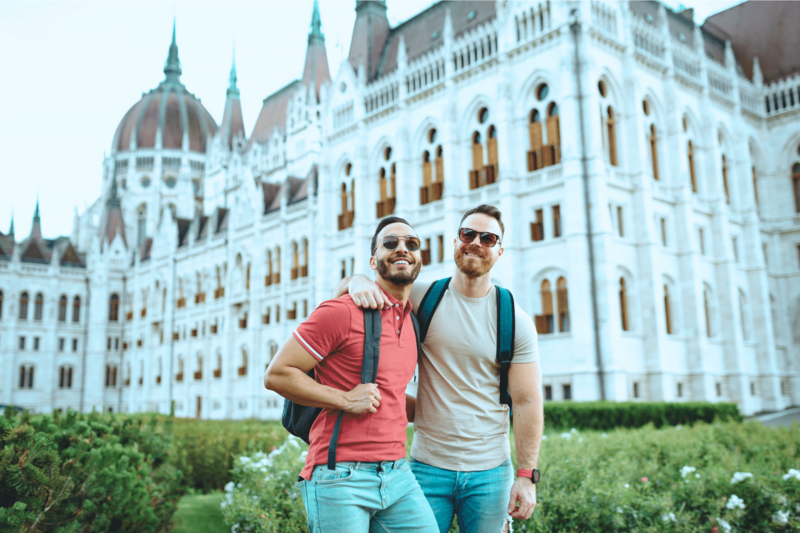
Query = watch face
x=536 y=475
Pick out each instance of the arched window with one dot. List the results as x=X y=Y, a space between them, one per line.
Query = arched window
x=295 y=273
x=563 y=305
x=623 y=305
x=708 y=312
x=667 y=310
x=690 y=155
x=477 y=161
x=612 y=136
x=179 y=375
x=276 y=271
x=76 y=309
x=268 y=277
x=218 y=370
x=304 y=265
x=439 y=177
x=653 y=139
x=38 y=308
x=387 y=185
x=553 y=153
x=796 y=186
x=111 y=376
x=544 y=321
x=242 y=370
x=23 y=306
x=26 y=377
x=198 y=374
x=744 y=315
x=491 y=148
x=725 y=179
x=347 y=199
x=755 y=185
x=113 y=308
x=535 y=157
x=65 y=377
x=427 y=179
x=62 y=308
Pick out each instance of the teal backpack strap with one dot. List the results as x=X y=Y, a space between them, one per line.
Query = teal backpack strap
x=429 y=304
x=505 y=339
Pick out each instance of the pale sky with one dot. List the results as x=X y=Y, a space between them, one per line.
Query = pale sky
x=72 y=69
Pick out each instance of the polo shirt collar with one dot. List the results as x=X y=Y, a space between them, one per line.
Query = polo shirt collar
x=394 y=302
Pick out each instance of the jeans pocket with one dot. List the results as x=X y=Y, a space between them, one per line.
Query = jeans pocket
x=328 y=477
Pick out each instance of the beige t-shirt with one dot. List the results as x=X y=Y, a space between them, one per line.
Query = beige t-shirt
x=459 y=423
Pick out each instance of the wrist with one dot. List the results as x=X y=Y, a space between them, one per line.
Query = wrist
x=531 y=475
x=344 y=401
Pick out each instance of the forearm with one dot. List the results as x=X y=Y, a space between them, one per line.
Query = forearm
x=411 y=405
x=295 y=385
x=341 y=288
x=528 y=428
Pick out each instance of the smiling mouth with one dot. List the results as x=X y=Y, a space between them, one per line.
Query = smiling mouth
x=470 y=254
x=401 y=262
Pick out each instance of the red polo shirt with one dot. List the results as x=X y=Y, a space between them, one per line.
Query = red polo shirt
x=334 y=335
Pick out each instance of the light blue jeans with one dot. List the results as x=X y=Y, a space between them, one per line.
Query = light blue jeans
x=379 y=497
x=479 y=499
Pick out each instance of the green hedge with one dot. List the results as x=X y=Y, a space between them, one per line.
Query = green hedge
x=95 y=472
x=609 y=415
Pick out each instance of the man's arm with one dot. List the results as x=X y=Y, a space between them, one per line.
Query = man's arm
x=365 y=292
x=525 y=386
x=287 y=376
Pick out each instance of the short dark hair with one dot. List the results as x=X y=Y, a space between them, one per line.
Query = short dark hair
x=382 y=224
x=484 y=209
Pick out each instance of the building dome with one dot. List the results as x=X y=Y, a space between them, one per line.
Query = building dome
x=168 y=117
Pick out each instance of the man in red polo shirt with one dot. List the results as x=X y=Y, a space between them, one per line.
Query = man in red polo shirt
x=372 y=488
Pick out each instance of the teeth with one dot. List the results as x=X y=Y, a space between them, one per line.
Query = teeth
x=401 y=262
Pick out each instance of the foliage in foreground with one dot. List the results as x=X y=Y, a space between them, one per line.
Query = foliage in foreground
x=603 y=416
x=81 y=473
x=681 y=479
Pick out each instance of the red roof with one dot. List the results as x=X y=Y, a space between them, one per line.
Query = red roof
x=273 y=113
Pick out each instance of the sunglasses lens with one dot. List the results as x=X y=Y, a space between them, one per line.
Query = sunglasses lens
x=488 y=239
x=467 y=235
x=412 y=244
x=390 y=243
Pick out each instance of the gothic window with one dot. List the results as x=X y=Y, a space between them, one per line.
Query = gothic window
x=26 y=377
x=708 y=310
x=23 y=306
x=612 y=136
x=218 y=370
x=432 y=170
x=242 y=370
x=387 y=185
x=304 y=266
x=111 y=376
x=563 y=305
x=690 y=155
x=623 y=305
x=653 y=140
x=725 y=179
x=38 y=308
x=667 y=310
x=347 y=199
x=544 y=321
x=295 y=272
x=247 y=277
x=62 y=308
x=537 y=226
x=65 y=377
x=113 y=308
x=477 y=161
x=198 y=374
x=276 y=276
x=76 y=309
x=535 y=154
x=755 y=185
x=557 y=231
x=744 y=315
x=552 y=155
x=796 y=186
x=268 y=277
x=484 y=171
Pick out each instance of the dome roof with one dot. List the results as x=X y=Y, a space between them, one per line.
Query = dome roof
x=168 y=117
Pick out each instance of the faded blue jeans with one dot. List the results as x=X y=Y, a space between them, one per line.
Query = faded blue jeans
x=379 y=497
x=479 y=499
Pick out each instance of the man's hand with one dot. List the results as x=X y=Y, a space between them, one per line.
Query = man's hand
x=365 y=398
x=366 y=293
x=524 y=492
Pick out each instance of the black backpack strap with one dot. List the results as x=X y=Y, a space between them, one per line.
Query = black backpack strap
x=369 y=369
x=505 y=339
x=429 y=304
x=415 y=323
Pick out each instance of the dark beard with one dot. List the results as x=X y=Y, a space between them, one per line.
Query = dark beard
x=472 y=269
x=400 y=279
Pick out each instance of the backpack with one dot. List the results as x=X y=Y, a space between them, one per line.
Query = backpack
x=298 y=419
x=505 y=327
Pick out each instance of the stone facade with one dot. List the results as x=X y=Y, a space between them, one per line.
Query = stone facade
x=624 y=122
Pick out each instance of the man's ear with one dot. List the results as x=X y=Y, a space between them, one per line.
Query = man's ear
x=500 y=252
x=373 y=263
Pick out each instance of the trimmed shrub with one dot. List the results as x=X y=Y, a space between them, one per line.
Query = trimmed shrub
x=609 y=415
x=96 y=472
x=207 y=448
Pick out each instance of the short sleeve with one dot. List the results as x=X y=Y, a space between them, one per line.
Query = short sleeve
x=526 y=341
x=326 y=329
x=418 y=292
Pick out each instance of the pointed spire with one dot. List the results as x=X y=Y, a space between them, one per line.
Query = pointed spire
x=11 y=229
x=36 y=226
x=232 y=88
x=758 y=77
x=172 y=68
x=316 y=24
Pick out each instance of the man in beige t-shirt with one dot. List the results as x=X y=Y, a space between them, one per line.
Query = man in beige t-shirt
x=461 y=453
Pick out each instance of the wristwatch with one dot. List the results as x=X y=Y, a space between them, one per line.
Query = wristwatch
x=533 y=475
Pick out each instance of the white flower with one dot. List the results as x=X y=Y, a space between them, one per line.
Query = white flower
x=726 y=527
x=740 y=476
x=229 y=486
x=792 y=473
x=781 y=517
x=686 y=470
x=573 y=430
x=566 y=436
x=735 y=502
x=544 y=437
x=627 y=485
x=668 y=517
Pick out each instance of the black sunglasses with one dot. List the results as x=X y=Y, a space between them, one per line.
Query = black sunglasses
x=487 y=239
x=390 y=242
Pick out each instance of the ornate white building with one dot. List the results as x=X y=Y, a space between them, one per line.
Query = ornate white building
x=648 y=170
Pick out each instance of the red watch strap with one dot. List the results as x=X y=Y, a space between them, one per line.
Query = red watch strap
x=525 y=473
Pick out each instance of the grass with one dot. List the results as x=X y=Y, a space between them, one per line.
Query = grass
x=199 y=513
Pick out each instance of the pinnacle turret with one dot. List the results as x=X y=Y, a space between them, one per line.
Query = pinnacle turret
x=36 y=226
x=172 y=68
x=232 y=88
x=316 y=24
x=11 y=229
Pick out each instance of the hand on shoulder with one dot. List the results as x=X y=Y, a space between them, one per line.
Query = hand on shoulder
x=366 y=293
